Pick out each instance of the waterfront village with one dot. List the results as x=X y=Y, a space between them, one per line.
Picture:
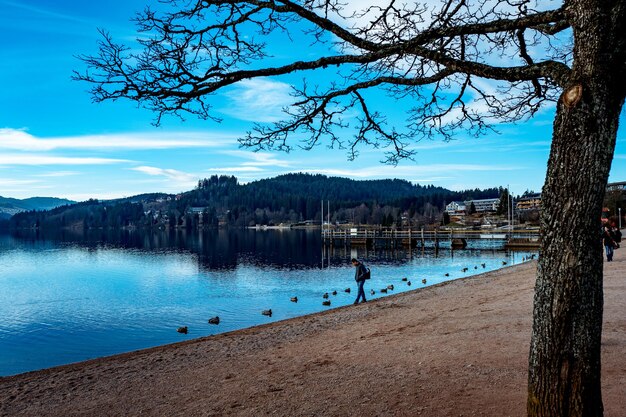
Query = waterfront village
x=490 y=213
x=475 y=214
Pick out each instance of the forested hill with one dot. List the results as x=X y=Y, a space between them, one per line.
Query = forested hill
x=289 y=198
x=341 y=189
x=303 y=193
x=10 y=206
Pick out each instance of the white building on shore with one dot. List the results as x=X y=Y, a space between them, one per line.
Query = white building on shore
x=484 y=205
x=456 y=207
x=488 y=204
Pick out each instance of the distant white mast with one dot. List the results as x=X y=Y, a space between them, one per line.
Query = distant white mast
x=322 y=219
x=508 y=207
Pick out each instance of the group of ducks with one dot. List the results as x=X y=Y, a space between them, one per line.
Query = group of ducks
x=216 y=320
x=325 y=296
x=475 y=267
x=212 y=320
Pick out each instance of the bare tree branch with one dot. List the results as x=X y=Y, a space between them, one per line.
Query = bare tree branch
x=207 y=45
x=319 y=114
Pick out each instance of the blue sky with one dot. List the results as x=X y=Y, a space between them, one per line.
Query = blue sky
x=55 y=142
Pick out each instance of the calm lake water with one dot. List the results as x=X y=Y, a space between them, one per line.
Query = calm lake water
x=67 y=298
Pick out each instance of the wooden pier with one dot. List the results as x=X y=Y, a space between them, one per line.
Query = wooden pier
x=411 y=238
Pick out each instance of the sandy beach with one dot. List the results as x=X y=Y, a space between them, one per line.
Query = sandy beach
x=455 y=349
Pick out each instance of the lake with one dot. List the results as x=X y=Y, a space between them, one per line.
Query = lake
x=67 y=298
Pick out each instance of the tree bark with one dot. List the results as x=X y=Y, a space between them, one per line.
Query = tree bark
x=564 y=361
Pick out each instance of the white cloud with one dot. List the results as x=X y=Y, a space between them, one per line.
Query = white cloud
x=95 y=195
x=429 y=179
x=7 y=182
x=30 y=159
x=259 y=159
x=57 y=174
x=16 y=187
x=259 y=100
x=429 y=145
x=507 y=146
x=383 y=171
x=20 y=139
x=236 y=169
x=178 y=176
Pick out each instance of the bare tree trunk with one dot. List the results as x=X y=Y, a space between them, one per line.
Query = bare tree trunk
x=564 y=362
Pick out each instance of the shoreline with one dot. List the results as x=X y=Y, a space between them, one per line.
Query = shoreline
x=458 y=347
x=260 y=327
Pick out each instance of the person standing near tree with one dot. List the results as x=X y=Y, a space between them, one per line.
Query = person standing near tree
x=608 y=242
x=360 y=275
x=616 y=234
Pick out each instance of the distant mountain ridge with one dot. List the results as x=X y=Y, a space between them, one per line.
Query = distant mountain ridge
x=285 y=199
x=10 y=206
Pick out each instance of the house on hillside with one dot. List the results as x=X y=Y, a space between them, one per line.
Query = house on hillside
x=531 y=202
x=456 y=207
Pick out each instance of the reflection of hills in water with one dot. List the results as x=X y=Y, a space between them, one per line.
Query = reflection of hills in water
x=224 y=249
x=215 y=249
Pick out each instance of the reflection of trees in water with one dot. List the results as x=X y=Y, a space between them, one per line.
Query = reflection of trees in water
x=224 y=249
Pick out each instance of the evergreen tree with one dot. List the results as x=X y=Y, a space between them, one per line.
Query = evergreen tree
x=503 y=205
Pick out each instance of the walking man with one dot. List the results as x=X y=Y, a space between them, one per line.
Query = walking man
x=360 y=275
